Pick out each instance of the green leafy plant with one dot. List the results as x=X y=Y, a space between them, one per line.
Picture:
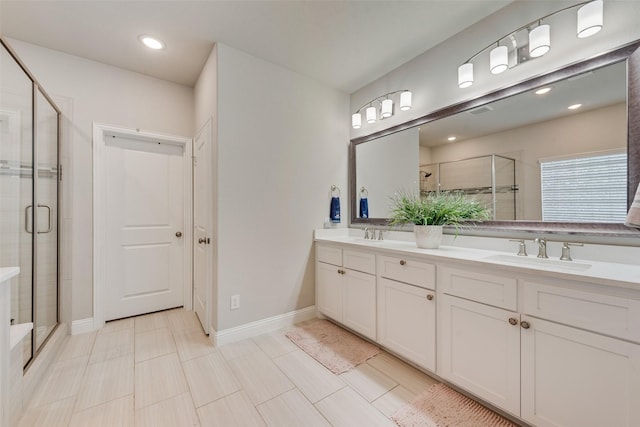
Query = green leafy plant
x=443 y=208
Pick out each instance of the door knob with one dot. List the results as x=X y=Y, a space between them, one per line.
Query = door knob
x=178 y=233
x=201 y=240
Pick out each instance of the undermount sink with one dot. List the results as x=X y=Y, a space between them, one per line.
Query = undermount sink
x=367 y=241
x=541 y=262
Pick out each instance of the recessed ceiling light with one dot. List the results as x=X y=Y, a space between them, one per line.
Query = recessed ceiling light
x=451 y=138
x=574 y=106
x=543 y=91
x=151 y=42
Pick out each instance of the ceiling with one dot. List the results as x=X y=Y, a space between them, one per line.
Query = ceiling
x=344 y=44
x=595 y=89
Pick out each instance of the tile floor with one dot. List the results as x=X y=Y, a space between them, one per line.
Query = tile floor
x=161 y=370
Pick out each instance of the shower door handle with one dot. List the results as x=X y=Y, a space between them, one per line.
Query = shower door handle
x=49 y=228
x=26 y=219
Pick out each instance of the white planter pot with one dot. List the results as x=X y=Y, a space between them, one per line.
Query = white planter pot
x=428 y=236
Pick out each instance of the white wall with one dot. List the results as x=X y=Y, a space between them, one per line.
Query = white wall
x=387 y=166
x=282 y=142
x=105 y=94
x=432 y=76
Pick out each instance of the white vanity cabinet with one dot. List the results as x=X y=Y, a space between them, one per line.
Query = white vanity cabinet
x=582 y=368
x=346 y=287
x=479 y=342
x=407 y=309
x=552 y=347
x=558 y=356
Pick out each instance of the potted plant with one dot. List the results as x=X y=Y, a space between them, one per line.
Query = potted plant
x=429 y=213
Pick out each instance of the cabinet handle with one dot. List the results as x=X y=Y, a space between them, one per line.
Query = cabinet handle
x=430 y=297
x=341 y=271
x=402 y=262
x=525 y=324
x=513 y=321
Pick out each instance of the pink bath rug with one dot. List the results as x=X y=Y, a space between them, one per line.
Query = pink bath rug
x=441 y=406
x=335 y=348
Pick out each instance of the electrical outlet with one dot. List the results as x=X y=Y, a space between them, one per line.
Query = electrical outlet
x=235 y=302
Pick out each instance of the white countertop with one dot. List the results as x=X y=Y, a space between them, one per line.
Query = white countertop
x=7 y=273
x=605 y=273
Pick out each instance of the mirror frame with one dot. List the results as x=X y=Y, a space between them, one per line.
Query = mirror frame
x=579 y=231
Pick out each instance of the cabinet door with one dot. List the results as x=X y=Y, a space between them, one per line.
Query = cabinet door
x=407 y=321
x=571 y=377
x=360 y=302
x=329 y=284
x=479 y=350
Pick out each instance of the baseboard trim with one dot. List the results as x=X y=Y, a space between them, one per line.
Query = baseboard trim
x=269 y=324
x=82 y=325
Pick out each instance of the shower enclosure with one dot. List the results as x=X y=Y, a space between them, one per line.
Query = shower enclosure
x=29 y=177
x=490 y=179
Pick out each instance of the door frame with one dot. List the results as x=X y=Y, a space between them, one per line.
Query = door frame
x=99 y=217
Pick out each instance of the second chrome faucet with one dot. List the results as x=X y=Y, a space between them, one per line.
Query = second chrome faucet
x=542 y=247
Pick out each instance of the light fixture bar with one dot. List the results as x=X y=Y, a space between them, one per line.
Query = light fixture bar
x=590 y=21
x=386 y=108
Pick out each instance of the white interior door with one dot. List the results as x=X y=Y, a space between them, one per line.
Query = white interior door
x=202 y=217
x=144 y=226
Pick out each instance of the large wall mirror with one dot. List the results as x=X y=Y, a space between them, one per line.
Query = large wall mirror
x=559 y=153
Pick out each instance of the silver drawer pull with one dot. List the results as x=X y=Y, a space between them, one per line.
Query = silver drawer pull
x=403 y=262
x=430 y=297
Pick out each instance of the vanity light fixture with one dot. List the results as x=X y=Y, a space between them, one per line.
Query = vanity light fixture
x=543 y=91
x=386 y=108
x=574 y=106
x=590 y=19
x=503 y=57
x=465 y=75
x=371 y=115
x=499 y=59
x=539 y=40
x=356 y=121
x=405 y=100
x=151 y=42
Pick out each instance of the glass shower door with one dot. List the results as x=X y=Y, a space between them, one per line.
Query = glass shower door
x=46 y=220
x=16 y=187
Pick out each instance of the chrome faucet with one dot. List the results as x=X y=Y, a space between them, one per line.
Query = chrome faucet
x=522 y=247
x=379 y=235
x=366 y=232
x=566 y=250
x=542 y=247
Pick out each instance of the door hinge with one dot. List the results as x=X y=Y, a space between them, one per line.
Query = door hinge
x=60 y=172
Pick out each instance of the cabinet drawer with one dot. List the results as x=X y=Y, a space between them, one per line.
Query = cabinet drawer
x=490 y=289
x=408 y=271
x=359 y=261
x=606 y=314
x=329 y=254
